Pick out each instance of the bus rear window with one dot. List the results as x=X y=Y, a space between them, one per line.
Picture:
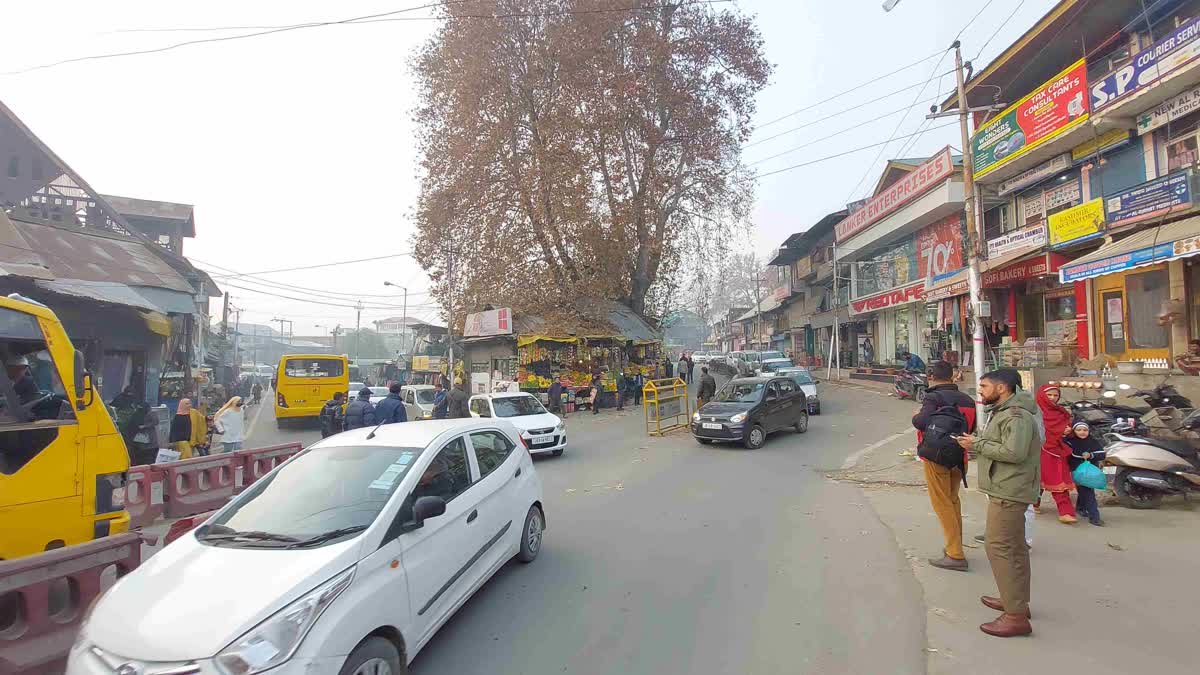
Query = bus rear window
x=314 y=368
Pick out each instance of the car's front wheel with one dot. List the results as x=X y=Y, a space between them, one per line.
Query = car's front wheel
x=374 y=656
x=756 y=437
x=531 y=535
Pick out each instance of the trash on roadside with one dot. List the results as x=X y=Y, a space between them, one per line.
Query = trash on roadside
x=1116 y=547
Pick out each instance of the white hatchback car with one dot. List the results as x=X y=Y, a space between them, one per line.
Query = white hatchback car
x=541 y=430
x=346 y=559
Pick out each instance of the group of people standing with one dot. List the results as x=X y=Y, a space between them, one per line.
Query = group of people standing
x=191 y=434
x=338 y=416
x=1029 y=446
x=684 y=370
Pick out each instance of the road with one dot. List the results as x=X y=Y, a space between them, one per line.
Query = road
x=665 y=556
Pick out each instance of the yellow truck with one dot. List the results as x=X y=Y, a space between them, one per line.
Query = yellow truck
x=62 y=460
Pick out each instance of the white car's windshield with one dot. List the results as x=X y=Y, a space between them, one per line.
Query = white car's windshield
x=424 y=396
x=517 y=406
x=378 y=391
x=740 y=392
x=767 y=356
x=323 y=490
x=800 y=376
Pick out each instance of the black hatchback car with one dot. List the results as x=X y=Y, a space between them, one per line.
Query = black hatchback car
x=746 y=409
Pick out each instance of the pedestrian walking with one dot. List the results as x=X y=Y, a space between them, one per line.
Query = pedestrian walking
x=621 y=385
x=1085 y=448
x=708 y=388
x=691 y=368
x=181 y=429
x=946 y=412
x=456 y=402
x=639 y=384
x=1056 y=471
x=230 y=422
x=682 y=371
x=391 y=409
x=360 y=412
x=554 y=396
x=256 y=393
x=331 y=417
x=597 y=386
x=1009 y=474
x=440 y=402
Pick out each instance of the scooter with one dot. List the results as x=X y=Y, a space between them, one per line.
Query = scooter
x=911 y=384
x=1147 y=468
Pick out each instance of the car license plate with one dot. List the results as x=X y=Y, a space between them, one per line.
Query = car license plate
x=1109 y=470
x=711 y=425
x=538 y=440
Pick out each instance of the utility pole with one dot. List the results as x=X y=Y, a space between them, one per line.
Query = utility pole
x=290 y=330
x=404 y=319
x=834 y=338
x=450 y=315
x=357 y=330
x=757 y=301
x=237 y=316
x=973 y=251
x=225 y=316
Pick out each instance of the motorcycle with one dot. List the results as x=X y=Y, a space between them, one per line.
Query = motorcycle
x=911 y=384
x=1147 y=468
x=1102 y=414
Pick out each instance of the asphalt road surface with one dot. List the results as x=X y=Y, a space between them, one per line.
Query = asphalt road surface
x=666 y=556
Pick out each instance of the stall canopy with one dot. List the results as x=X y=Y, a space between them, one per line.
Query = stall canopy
x=1179 y=239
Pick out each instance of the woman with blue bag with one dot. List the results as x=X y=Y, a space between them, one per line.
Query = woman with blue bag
x=1086 y=454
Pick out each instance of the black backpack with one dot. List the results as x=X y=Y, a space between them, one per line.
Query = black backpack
x=937 y=442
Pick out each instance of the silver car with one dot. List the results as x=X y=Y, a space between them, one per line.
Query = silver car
x=418 y=401
x=807 y=383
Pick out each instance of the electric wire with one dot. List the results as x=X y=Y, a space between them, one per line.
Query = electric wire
x=841 y=154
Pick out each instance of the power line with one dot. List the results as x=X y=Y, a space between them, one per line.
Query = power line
x=229 y=272
x=842 y=154
x=313 y=267
x=998 y=29
x=848 y=91
x=343 y=297
x=310 y=300
x=361 y=20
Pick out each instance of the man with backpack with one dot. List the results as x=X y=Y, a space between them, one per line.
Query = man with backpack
x=945 y=413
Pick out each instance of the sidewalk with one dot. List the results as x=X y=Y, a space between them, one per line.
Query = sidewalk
x=1111 y=599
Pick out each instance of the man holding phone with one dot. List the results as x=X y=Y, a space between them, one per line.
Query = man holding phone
x=1010 y=475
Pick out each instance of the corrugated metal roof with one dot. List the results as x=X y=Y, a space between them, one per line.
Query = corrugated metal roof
x=171 y=302
x=113 y=293
x=182 y=214
x=76 y=254
x=768 y=305
x=17 y=256
x=630 y=325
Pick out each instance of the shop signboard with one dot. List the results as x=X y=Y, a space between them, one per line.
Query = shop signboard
x=1022 y=271
x=940 y=247
x=1169 y=110
x=1151 y=199
x=1180 y=47
x=1106 y=141
x=1037 y=174
x=1076 y=224
x=1117 y=263
x=920 y=180
x=892 y=267
x=1030 y=237
x=903 y=295
x=959 y=287
x=1044 y=113
x=488 y=323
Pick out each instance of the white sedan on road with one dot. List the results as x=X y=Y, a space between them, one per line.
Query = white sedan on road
x=541 y=430
x=346 y=559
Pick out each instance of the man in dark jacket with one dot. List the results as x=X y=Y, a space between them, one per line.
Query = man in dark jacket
x=331 y=416
x=439 y=401
x=620 y=378
x=708 y=388
x=391 y=409
x=944 y=482
x=554 y=396
x=456 y=403
x=360 y=413
x=691 y=368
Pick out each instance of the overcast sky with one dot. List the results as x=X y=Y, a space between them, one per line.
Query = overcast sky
x=297 y=148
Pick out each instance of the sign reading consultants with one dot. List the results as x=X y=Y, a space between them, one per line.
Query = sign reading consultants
x=1175 y=50
x=1057 y=106
x=918 y=181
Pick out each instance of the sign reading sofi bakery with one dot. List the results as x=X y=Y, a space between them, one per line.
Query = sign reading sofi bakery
x=931 y=172
x=1177 y=49
x=1057 y=106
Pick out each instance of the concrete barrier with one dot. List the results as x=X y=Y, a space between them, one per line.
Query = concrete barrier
x=199 y=484
x=260 y=461
x=43 y=599
x=144 y=492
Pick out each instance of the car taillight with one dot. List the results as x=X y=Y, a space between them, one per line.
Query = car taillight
x=281 y=400
x=524 y=442
x=110 y=492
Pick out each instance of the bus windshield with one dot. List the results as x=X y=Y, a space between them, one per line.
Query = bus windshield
x=313 y=368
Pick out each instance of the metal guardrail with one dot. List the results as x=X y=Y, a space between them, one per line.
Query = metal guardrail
x=666 y=405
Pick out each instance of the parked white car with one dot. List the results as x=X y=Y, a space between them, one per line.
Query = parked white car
x=377 y=394
x=541 y=430
x=769 y=366
x=345 y=559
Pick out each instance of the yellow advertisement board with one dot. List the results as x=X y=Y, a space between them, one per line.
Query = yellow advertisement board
x=1077 y=223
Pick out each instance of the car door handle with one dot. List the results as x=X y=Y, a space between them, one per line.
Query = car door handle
x=473 y=516
x=518 y=473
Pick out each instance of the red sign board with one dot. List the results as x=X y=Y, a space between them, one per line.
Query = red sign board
x=1024 y=270
x=918 y=181
x=939 y=247
x=893 y=298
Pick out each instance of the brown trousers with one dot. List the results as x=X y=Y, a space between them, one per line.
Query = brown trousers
x=943 y=486
x=1008 y=553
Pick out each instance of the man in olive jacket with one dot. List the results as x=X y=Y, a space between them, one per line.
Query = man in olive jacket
x=1010 y=475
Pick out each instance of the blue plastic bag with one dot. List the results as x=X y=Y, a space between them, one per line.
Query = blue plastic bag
x=1089 y=475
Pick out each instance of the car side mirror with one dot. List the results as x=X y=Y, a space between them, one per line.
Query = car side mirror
x=83 y=383
x=427 y=507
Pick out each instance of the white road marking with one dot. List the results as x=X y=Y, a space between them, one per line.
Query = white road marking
x=853 y=459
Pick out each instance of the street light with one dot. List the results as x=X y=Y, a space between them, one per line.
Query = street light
x=404 y=319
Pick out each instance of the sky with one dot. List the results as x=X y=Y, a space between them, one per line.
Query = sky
x=297 y=148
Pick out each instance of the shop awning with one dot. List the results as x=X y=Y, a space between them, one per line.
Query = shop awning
x=167 y=300
x=1179 y=239
x=104 y=291
x=157 y=322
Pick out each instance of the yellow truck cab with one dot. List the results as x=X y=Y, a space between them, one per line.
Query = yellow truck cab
x=304 y=382
x=62 y=460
